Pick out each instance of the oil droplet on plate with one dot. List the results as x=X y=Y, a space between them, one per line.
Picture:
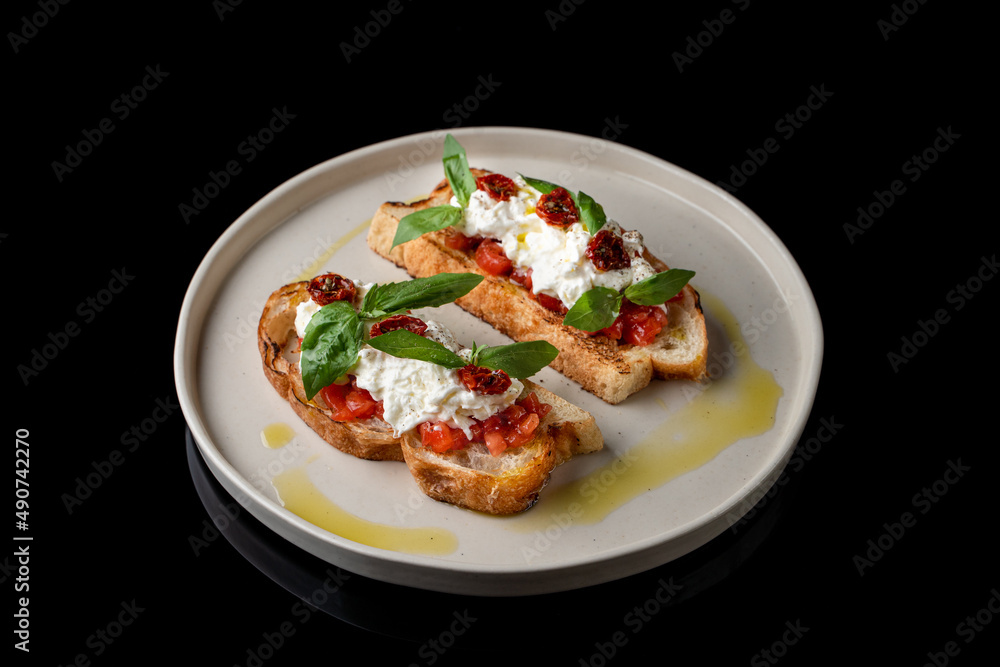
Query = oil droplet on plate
x=277 y=435
x=301 y=497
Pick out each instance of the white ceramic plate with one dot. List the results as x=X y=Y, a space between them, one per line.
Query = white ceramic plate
x=316 y=222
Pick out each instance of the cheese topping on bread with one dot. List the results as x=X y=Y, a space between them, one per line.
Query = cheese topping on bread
x=557 y=256
x=413 y=391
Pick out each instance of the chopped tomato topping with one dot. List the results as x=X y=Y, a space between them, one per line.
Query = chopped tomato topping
x=349 y=402
x=483 y=380
x=508 y=429
x=412 y=324
x=636 y=325
x=331 y=287
x=551 y=303
x=523 y=278
x=491 y=258
x=497 y=186
x=557 y=208
x=459 y=241
x=607 y=251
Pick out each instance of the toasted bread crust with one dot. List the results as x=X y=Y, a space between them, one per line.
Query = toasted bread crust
x=501 y=485
x=367 y=439
x=602 y=366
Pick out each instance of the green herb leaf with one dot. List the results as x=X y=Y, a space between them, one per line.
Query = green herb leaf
x=383 y=300
x=542 y=186
x=596 y=309
x=518 y=360
x=658 y=288
x=426 y=220
x=408 y=345
x=330 y=345
x=456 y=169
x=591 y=213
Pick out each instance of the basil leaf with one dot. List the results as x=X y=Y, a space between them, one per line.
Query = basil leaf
x=456 y=169
x=330 y=345
x=542 y=186
x=518 y=360
x=408 y=345
x=658 y=288
x=426 y=220
x=382 y=300
x=591 y=213
x=596 y=309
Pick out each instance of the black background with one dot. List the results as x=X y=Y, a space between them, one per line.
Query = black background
x=891 y=91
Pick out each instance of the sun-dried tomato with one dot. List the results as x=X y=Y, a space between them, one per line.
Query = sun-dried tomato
x=497 y=186
x=331 y=287
x=484 y=380
x=607 y=251
x=557 y=208
x=411 y=324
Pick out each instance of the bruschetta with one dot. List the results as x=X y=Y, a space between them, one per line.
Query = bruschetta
x=555 y=268
x=377 y=382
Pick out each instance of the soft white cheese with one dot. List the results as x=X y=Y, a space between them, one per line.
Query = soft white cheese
x=414 y=391
x=557 y=256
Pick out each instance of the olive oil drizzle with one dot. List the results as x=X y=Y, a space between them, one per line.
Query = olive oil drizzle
x=742 y=403
x=301 y=497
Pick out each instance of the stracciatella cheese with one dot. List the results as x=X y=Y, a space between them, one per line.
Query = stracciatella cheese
x=412 y=391
x=556 y=256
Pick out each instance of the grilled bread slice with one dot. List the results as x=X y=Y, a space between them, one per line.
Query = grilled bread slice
x=471 y=478
x=609 y=369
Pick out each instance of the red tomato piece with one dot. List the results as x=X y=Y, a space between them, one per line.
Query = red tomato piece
x=483 y=380
x=335 y=396
x=641 y=323
x=607 y=251
x=522 y=277
x=491 y=258
x=459 y=241
x=331 y=287
x=411 y=324
x=442 y=438
x=349 y=402
x=557 y=208
x=497 y=186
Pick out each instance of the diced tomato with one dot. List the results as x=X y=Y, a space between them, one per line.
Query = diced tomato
x=349 y=402
x=442 y=438
x=459 y=241
x=641 y=324
x=522 y=277
x=491 y=258
x=508 y=429
x=551 y=303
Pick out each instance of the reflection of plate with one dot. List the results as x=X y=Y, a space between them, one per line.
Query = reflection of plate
x=316 y=221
